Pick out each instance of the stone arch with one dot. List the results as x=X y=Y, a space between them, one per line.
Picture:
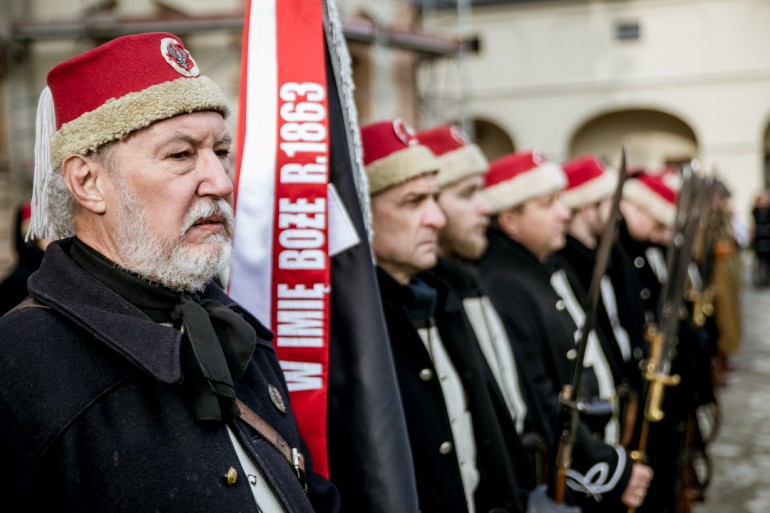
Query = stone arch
x=654 y=138
x=493 y=140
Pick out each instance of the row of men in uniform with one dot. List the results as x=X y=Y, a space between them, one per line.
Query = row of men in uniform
x=483 y=271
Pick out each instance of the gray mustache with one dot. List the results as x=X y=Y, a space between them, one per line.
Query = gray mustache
x=205 y=208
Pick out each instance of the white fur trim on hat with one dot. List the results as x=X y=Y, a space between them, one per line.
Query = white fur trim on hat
x=399 y=167
x=591 y=191
x=544 y=179
x=117 y=118
x=457 y=164
x=649 y=201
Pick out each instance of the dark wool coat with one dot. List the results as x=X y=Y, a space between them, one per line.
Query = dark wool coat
x=649 y=284
x=666 y=446
x=578 y=261
x=463 y=283
x=439 y=484
x=92 y=418
x=761 y=238
x=543 y=335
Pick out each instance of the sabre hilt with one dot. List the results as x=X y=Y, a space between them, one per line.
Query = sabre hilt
x=653 y=410
x=702 y=305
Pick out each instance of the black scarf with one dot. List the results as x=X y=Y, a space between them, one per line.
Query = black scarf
x=217 y=343
x=421 y=304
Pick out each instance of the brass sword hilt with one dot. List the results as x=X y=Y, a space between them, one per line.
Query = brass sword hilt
x=653 y=410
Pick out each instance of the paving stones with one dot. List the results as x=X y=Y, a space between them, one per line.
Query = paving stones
x=741 y=451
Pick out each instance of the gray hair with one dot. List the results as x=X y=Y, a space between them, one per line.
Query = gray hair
x=59 y=202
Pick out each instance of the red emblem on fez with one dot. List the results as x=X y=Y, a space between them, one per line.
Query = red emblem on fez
x=178 y=57
x=459 y=135
x=404 y=132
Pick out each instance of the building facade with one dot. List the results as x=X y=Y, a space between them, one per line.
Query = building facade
x=673 y=79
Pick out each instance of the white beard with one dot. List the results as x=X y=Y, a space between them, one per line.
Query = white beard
x=171 y=261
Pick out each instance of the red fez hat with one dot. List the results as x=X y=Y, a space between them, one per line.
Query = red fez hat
x=108 y=92
x=392 y=155
x=588 y=181
x=654 y=195
x=459 y=157
x=519 y=177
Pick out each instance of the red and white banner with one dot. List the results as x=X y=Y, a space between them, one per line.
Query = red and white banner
x=280 y=270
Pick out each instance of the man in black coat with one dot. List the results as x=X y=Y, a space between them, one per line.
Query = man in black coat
x=620 y=315
x=130 y=381
x=528 y=225
x=463 y=240
x=462 y=459
x=649 y=210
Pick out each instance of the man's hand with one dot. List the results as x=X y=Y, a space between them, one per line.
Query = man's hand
x=641 y=475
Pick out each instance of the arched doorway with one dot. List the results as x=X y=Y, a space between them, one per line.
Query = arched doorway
x=493 y=140
x=654 y=138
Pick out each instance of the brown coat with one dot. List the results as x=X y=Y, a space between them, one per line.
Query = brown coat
x=717 y=247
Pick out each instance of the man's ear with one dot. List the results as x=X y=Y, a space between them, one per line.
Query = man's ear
x=508 y=220
x=84 y=177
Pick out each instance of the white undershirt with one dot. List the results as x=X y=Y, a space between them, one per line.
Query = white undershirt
x=457 y=408
x=263 y=495
x=594 y=356
x=498 y=352
x=611 y=306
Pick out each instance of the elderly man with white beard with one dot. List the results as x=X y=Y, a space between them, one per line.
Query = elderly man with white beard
x=130 y=380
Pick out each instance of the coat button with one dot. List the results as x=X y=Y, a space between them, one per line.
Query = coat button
x=426 y=374
x=571 y=354
x=645 y=293
x=231 y=476
x=638 y=262
x=445 y=448
x=560 y=305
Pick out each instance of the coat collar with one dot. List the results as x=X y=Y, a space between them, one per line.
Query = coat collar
x=395 y=294
x=578 y=254
x=72 y=292
x=505 y=251
x=458 y=275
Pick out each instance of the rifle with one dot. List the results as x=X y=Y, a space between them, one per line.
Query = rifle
x=662 y=338
x=569 y=407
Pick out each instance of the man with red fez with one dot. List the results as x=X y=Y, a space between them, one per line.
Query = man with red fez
x=130 y=381
x=462 y=458
x=648 y=207
x=462 y=241
x=620 y=315
x=649 y=210
x=528 y=225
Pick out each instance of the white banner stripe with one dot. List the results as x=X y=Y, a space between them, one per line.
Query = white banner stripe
x=250 y=278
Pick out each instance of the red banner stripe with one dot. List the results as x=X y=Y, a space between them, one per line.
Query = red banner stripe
x=301 y=276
